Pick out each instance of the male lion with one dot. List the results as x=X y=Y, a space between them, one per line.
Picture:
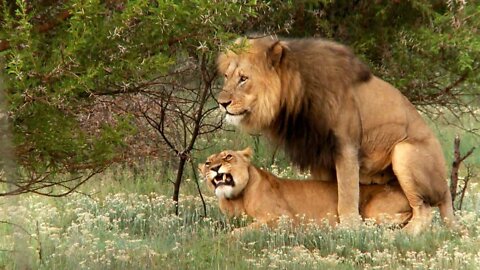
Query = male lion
x=332 y=116
x=242 y=188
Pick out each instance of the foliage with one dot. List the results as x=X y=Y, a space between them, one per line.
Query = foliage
x=61 y=56
x=97 y=50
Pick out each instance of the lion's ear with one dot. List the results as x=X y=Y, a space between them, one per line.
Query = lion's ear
x=275 y=53
x=247 y=152
x=222 y=63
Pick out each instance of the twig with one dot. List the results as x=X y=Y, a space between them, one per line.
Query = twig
x=8 y=250
x=466 y=180
x=198 y=188
x=457 y=160
x=39 y=244
x=16 y=225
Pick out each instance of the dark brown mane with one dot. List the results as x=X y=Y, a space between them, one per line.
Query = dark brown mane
x=308 y=142
x=304 y=127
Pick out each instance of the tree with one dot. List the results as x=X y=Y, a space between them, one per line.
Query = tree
x=180 y=113
x=61 y=56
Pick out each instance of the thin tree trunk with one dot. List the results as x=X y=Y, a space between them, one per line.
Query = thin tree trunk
x=178 y=181
x=198 y=189
x=457 y=160
x=455 y=168
x=188 y=137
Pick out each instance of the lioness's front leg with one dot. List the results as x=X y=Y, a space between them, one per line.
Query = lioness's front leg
x=347 y=167
x=256 y=225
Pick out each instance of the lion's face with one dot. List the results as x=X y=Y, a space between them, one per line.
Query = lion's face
x=226 y=173
x=250 y=97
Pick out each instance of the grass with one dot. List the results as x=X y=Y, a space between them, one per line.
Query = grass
x=126 y=222
x=138 y=231
x=135 y=230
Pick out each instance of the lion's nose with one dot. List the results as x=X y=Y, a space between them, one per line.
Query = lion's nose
x=225 y=104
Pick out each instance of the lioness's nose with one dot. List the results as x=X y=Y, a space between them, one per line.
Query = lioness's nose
x=225 y=104
x=216 y=168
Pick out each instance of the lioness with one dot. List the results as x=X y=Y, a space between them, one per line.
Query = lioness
x=242 y=188
x=332 y=116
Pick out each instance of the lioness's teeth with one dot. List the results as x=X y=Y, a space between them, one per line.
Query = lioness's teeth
x=224 y=177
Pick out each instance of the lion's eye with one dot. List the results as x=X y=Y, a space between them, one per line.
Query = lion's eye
x=225 y=75
x=228 y=157
x=207 y=164
x=243 y=78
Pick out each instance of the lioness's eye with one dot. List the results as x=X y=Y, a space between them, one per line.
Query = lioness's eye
x=207 y=164
x=243 y=78
x=225 y=75
x=228 y=157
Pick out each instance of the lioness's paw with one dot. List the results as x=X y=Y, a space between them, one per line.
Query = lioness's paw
x=238 y=232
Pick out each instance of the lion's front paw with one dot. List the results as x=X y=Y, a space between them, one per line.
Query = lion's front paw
x=352 y=221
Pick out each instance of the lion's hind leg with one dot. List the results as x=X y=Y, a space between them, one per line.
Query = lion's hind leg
x=446 y=211
x=419 y=168
x=421 y=219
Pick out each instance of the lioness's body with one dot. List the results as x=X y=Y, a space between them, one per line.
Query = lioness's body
x=266 y=198
x=263 y=196
x=332 y=116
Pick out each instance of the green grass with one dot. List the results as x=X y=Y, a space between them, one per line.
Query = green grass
x=118 y=228
x=467 y=128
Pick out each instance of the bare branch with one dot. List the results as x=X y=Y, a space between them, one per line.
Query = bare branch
x=457 y=160
x=37 y=185
x=16 y=225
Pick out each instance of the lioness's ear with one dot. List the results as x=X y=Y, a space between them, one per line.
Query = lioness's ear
x=247 y=152
x=275 y=53
x=201 y=167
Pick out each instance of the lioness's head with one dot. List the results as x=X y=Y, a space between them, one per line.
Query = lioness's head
x=251 y=94
x=226 y=173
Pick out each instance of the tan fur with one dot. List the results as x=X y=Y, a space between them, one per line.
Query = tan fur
x=265 y=197
x=333 y=117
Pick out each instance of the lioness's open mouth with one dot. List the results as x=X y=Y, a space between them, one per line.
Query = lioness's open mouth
x=223 y=179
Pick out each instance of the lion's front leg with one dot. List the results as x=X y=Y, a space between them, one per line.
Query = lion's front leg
x=347 y=168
